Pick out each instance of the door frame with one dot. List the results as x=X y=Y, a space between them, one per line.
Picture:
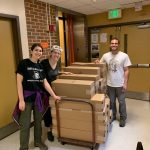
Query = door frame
x=12 y=127
x=16 y=34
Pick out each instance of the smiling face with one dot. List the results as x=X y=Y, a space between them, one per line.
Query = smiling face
x=36 y=53
x=114 y=46
x=55 y=55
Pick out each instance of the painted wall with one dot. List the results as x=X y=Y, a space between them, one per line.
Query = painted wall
x=128 y=15
x=16 y=7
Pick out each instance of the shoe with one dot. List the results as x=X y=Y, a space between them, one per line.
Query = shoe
x=122 y=123
x=50 y=136
x=41 y=145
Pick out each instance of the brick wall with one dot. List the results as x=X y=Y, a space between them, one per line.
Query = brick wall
x=37 y=29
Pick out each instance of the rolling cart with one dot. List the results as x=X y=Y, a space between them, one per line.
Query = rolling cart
x=63 y=140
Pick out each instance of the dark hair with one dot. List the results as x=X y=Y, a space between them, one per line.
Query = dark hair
x=115 y=38
x=35 y=45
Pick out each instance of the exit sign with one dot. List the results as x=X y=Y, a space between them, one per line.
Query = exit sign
x=114 y=14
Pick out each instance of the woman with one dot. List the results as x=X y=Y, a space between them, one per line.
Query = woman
x=31 y=81
x=51 y=69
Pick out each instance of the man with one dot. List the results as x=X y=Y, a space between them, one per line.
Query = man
x=117 y=78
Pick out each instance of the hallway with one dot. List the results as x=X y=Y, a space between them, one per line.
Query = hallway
x=136 y=129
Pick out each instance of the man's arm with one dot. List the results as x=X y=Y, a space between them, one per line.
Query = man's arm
x=98 y=61
x=126 y=77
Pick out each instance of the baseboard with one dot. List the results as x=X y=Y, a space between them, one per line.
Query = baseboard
x=138 y=95
x=8 y=129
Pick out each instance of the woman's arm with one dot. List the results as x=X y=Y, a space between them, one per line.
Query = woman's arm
x=50 y=91
x=20 y=92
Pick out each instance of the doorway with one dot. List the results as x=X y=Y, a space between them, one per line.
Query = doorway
x=9 y=59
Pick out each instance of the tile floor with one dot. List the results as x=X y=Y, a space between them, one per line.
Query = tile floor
x=136 y=129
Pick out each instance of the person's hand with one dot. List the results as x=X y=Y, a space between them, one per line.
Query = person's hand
x=124 y=87
x=97 y=61
x=22 y=105
x=57 y=98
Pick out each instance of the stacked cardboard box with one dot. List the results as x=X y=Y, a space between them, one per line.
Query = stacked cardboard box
x=89 y=77
x=75 y=118
x=102 y=66
x=74 y=88
x=103 y=73
x=81 y=109
x=82 y=70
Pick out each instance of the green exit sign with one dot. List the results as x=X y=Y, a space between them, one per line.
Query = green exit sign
x=114 y=13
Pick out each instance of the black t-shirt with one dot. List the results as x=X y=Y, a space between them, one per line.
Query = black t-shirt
x=33 y=75
x=51 y=74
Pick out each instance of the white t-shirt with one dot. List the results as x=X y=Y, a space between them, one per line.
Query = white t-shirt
x=116 y=64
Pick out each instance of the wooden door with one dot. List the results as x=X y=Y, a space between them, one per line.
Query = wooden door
x=138 y=49
x=8 y=90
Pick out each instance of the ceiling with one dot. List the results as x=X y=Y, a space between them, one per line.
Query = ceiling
x=95 y=6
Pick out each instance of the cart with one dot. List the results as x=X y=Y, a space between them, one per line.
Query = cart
x=91 y=145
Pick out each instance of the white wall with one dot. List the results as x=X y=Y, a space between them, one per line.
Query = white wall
x=16 y=7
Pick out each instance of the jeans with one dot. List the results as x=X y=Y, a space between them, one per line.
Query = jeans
x=113 y=93
x=25 y=120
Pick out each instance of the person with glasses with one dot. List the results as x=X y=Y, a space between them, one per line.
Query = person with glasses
x=31 y=82
x=51 y=68
x=117 y=78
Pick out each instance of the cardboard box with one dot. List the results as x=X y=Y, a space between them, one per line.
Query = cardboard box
x=90 y=64
x=74 y=88
x=107 y=101
x=77 y=124
x=98 y=101
x=102 y=85
x=90 y=77
x=81 y=115
x=80 y=135
x=102 y=66
x=82 y=70
x=81 y=125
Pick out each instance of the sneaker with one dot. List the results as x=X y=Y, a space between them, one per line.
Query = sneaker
x=41 y=145
x=50 y=136
x=122 y=123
